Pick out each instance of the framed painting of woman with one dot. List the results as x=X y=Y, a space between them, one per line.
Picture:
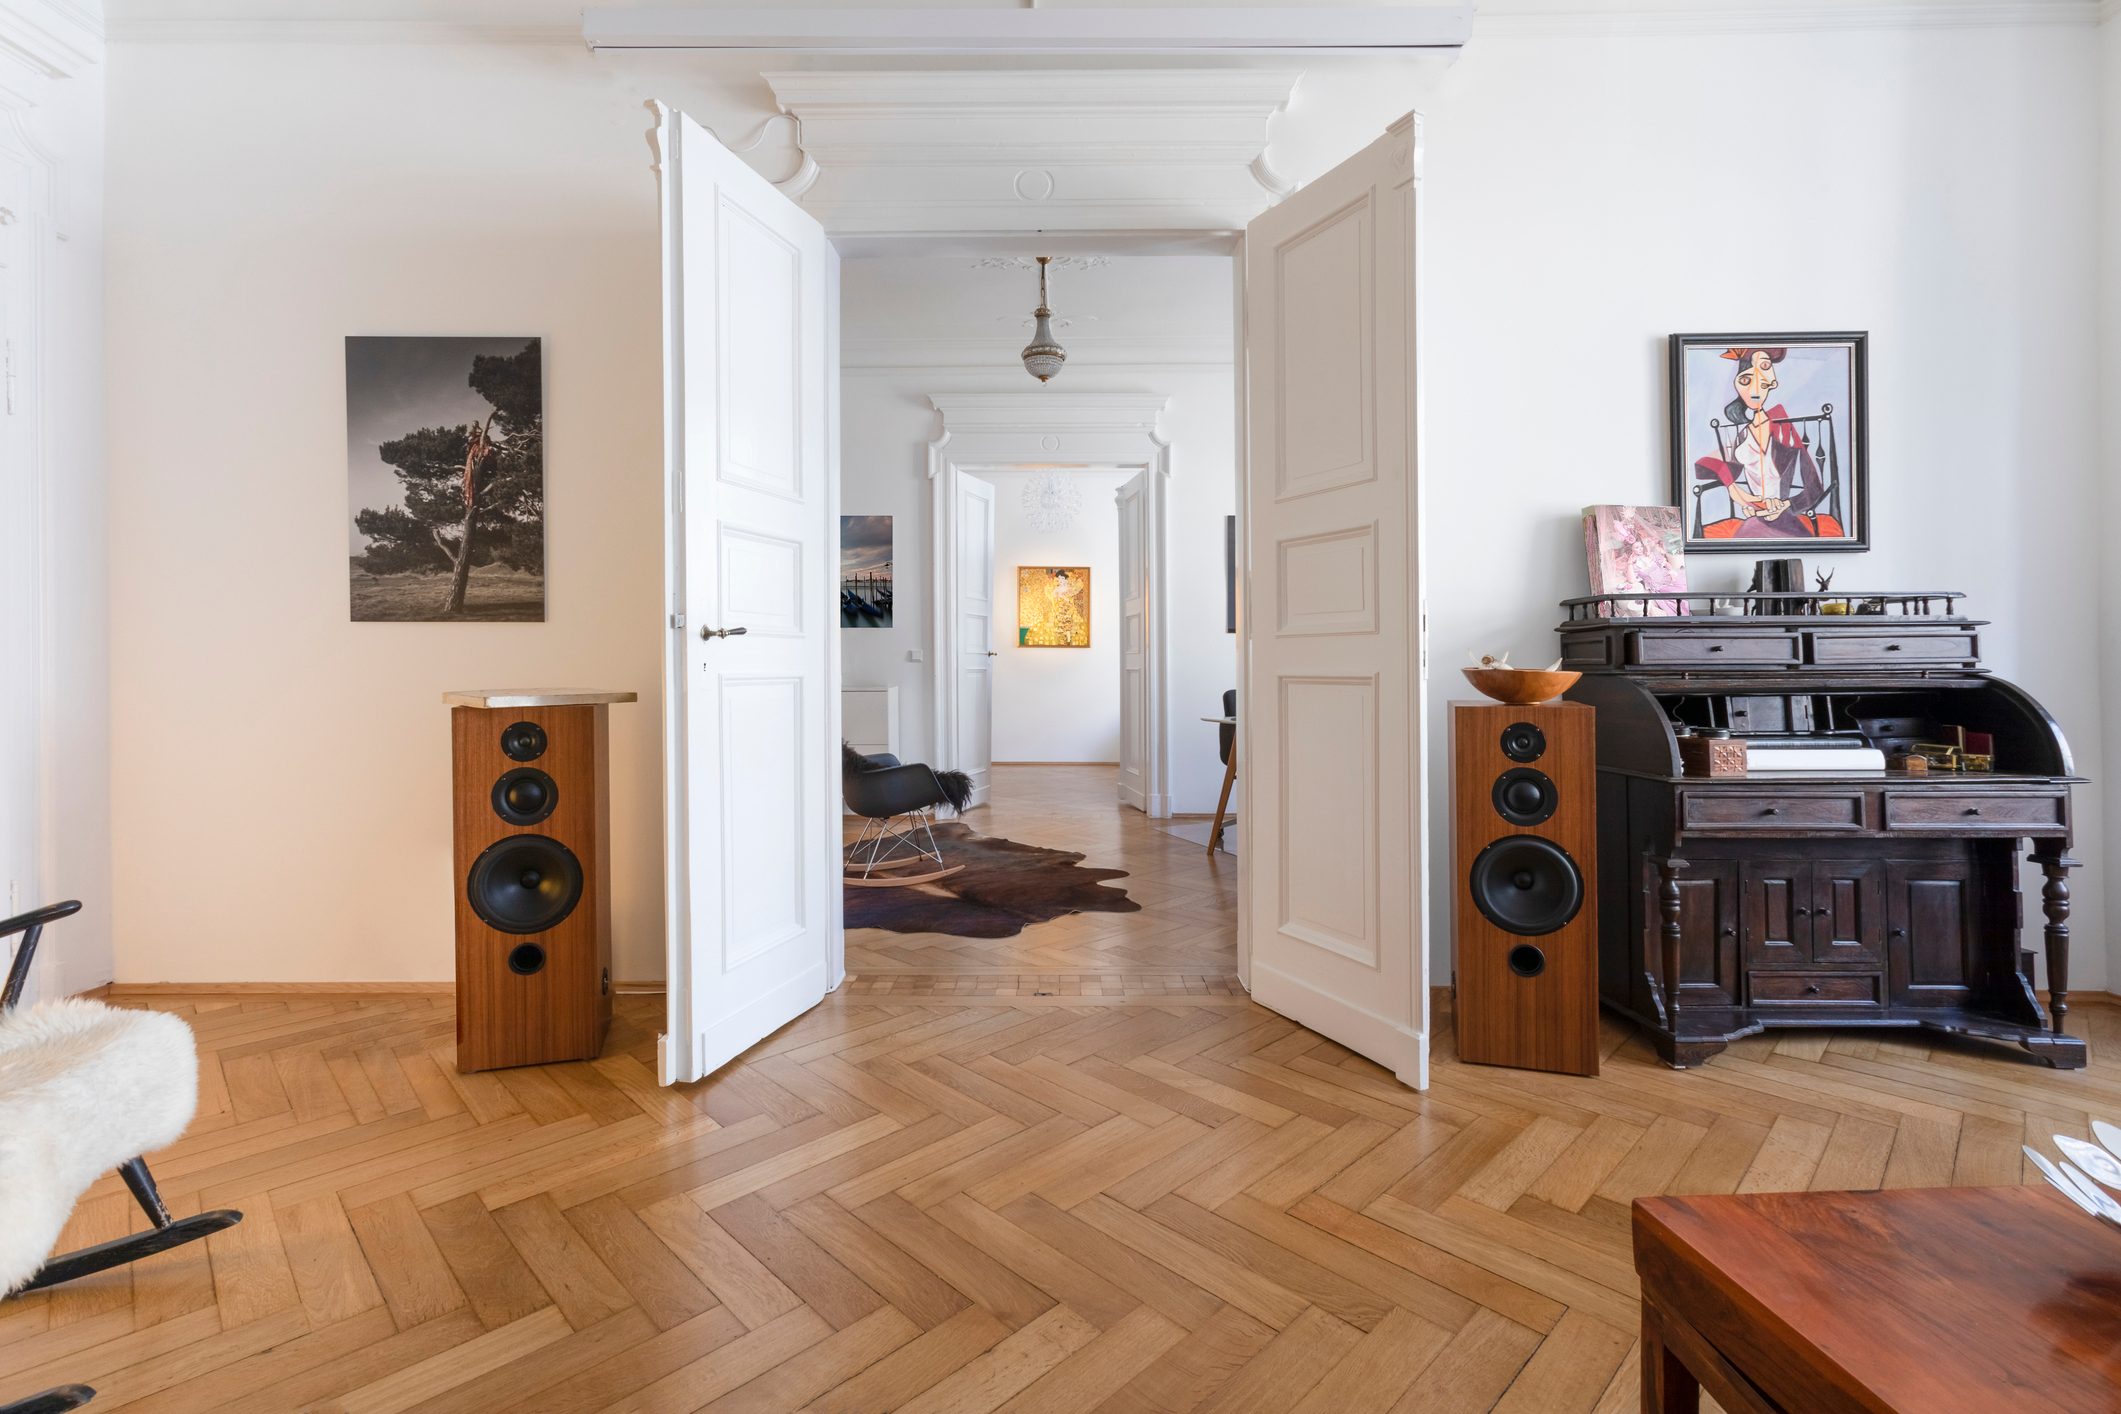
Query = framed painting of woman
x=1769 y=441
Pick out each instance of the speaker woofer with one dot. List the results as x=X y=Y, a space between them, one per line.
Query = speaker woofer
x=1522 y=741
x=1524 y=796
x=525 y=795
x=524 y=884
x=523 y=741
x=1526 y=885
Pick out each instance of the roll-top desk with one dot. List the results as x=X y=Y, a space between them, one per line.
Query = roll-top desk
x=1858 y=898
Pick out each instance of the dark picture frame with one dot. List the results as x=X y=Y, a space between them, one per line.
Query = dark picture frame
x=1808 y=489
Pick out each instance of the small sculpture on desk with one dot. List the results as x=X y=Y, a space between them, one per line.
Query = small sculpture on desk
x=1836 y=607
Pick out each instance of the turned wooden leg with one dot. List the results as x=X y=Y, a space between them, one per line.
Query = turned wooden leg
x=2054 y=903
x=1669 y=903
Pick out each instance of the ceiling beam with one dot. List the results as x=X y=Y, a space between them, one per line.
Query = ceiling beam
x=1337 y=29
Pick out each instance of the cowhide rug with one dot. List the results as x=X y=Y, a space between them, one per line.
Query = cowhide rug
x=1004 y=886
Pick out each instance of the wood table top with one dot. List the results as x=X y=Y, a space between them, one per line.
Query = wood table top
x=2003 y=1300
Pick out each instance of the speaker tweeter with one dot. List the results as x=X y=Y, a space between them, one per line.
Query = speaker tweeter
x=523 y=741
x=1523 y=741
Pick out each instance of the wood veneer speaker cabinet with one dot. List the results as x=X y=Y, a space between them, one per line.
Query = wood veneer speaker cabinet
x=1523 y=861
x=532 y=824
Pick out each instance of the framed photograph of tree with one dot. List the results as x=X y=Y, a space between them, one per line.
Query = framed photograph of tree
x=1770 y=441
x=445 y=478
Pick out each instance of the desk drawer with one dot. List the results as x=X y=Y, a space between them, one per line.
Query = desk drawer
x=1729 y=812
x=1895 y=650
x=1687 y=647
x=1817 y=988
x=1971 y=813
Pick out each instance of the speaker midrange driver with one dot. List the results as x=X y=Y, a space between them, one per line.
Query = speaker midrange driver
x=1526 y=885
x=1524 y=796
x=525 y=795
x=524 y=884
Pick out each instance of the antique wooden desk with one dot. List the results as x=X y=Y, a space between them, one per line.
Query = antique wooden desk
x=1925 y=1300
x=1819 y=898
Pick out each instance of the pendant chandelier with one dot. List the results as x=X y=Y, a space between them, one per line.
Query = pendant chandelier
x=1043 y=357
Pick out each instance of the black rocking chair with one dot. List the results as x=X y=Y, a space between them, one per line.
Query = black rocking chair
x=166 y=1231
x=897 y=804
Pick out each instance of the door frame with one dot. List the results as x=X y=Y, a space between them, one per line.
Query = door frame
x=1055 y=427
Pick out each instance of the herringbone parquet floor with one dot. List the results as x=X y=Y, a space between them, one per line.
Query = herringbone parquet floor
x=1066 y=1173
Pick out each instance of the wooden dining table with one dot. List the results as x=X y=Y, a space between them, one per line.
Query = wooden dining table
x=1923 y=1300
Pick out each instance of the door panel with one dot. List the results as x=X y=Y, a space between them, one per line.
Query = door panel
x=1708 y=923
x=750 y=315
x=1929 y=943
x=1848 y=912
x=1334 y=912
x=975 y=634
x=1133 y=643
x=1777 y=913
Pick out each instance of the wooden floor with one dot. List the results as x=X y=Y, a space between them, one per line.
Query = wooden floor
x=1068 y=1172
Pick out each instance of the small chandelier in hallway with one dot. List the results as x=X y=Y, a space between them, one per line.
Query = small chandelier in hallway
x=1043 y=357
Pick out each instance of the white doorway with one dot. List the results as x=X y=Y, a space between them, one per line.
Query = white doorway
x=1333 y=883
x=1064 y=526
x=1101 y=435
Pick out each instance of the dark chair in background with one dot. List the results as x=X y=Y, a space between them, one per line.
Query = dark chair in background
x=897 y=804
x=1226 y=738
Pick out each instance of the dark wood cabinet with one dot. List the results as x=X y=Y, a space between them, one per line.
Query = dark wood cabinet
x=1853 y=898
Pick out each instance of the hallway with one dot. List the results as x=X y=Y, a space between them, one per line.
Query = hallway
x=1183 y=941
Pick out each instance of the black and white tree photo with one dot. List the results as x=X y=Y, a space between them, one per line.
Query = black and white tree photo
x=445 y=469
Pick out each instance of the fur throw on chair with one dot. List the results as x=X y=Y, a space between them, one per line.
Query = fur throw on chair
x=956 y=786
x=83 y=1088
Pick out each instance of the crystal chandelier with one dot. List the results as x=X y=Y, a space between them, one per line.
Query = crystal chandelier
x=1042 y=357
x=1052 y=501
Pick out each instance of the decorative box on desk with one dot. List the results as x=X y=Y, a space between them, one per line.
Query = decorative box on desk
x=1851 y=897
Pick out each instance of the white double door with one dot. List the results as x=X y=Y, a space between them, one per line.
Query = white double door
x=1332 y=698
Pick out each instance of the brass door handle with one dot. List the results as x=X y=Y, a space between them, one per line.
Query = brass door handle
x=722 y=632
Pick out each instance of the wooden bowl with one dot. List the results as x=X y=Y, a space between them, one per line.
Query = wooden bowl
x=1521 y=687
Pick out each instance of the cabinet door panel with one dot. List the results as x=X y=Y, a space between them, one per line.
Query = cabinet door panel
x=1708 y=947
x=1848 y=913
x=1930 y=938
x=1778 y=902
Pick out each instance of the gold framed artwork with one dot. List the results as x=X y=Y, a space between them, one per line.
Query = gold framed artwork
x=1052 y=606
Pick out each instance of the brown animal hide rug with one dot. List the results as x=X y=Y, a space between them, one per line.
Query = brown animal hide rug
x=1004 y=886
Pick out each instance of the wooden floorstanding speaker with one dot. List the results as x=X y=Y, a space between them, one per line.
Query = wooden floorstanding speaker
x=532 y=819
x=1524 y=812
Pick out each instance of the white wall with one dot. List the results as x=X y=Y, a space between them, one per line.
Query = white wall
x=2108 y=861
x=1936 y=186
x=1057 y=704
x=54 y=617
x=283 y=777
x=1585 y=197
x=913 y=326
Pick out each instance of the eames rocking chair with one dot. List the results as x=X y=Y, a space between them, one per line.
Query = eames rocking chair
x=897 y=804
x=85 y=1088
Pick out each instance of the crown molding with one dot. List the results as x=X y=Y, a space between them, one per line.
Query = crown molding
x=1003 y=150
x=1684 y=17
x=347 y=32
x=54 y=38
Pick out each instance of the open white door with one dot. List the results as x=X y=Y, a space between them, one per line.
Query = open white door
x=971 y=595
x=1134 y=642
x=751 y=700
x=1332 y=716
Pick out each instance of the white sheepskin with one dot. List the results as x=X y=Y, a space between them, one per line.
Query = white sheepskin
x=83 y=1088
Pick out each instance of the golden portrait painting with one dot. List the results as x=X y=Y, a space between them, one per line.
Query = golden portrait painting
x=1052 y=606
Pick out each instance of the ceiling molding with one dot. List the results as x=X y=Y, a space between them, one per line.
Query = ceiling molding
x=1683 y=17
x=1111 y=29
x=999 y=150
x=349 y=32
x=54 y=38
